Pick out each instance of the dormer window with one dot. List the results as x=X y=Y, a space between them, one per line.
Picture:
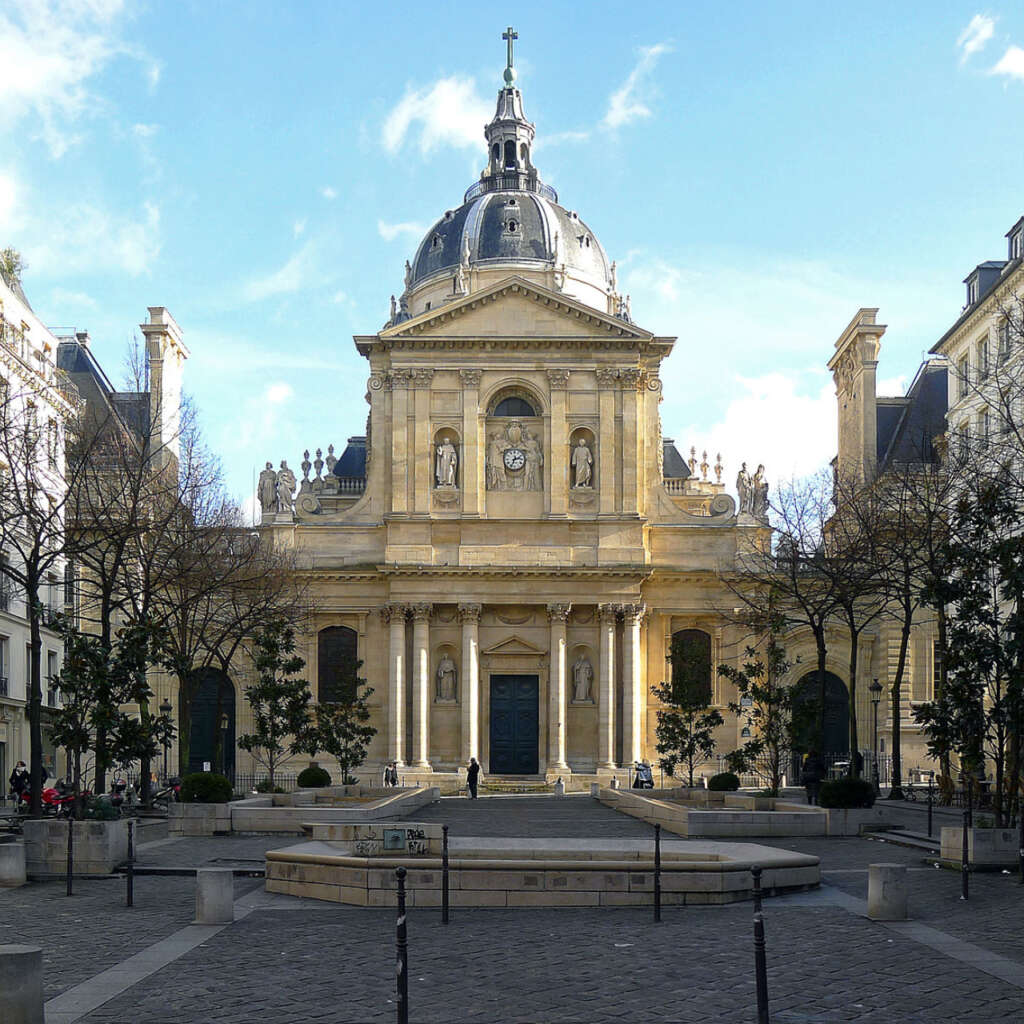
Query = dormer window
x=972 y=291
x=1015 y=249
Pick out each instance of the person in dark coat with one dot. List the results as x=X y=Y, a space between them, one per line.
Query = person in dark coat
x=472 y=777
x=19 y=780
x=811 y=775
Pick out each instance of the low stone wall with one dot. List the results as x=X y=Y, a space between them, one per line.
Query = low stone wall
x=99 y=846
x=854 y=821
x=782 y=819
x=987 y=848
x=521 y=875
x=199 y=819
x=264 y=814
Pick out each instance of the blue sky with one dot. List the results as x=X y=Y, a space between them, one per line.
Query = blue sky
x=759 y=171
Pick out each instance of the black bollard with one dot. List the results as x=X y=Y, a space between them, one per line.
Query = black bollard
x=129 y=875
x=964 y=866
x=71 y=846
x=755 y=873
x=930 y=779
x=444 y=874
x=760 y=970
x=657 y=873
x=402 y=946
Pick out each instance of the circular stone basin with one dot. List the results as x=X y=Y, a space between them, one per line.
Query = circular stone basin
x=486 y=872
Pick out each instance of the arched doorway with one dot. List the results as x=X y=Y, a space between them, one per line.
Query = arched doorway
x=213 y=708
x=837 y=713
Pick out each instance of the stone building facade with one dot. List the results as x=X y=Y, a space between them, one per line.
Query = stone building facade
x=512 y=545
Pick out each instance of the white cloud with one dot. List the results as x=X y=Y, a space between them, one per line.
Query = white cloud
x=297 y=273
x=892 y=387
x=555 y=138
x=49 y=50
x=448 y=113
x=8 y=200
x=83 y=236
x=973 y=38
x=769 y=420
x=298 y=227
x=328 y=193
x=153 y=73
x=629 y=102
x=278 y=393
x=144 y=131
x=339 y=298
x=389 y=232
x=70 y=302
x=1011 y=63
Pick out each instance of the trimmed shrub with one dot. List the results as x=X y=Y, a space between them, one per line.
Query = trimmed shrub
x=724 y=782
x=263 y=786
x=847 y=793
x=205 y=788
x=314 y=777
x=99 y=808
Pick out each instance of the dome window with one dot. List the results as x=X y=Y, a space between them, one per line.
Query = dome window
x=447 y=214
x=513 y=225
x=435 y=242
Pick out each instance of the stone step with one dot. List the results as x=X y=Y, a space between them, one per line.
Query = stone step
x=912 y=840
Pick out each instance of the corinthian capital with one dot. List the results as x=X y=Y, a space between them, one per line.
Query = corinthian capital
x=470 y=378
x=422 y=378
x=633 y=612
x=558 y=612
x=393 y=611
x=469 y=613
x=421 y=611
x=608 y=612
x=558 y=378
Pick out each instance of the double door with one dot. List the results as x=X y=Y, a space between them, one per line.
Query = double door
x=514 y=725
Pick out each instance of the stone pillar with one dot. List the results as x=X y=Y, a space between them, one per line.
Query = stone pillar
x=630 y=440
x=469 y=616
x=632 y=684
x=12 y=864
x=607 y=381
x=422 y=453
x=400 y=380
x=557 y=614
x=607 y=614
x=215 y=896
x=558 y=457
x=394 y=615
x=421 y=686
x=21 y=984
x=472 y=443
x=887 y=892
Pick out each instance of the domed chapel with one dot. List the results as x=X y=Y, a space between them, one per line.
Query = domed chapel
x=512 y=546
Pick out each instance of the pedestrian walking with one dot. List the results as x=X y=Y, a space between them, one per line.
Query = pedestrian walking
x=19 y=780
x=811 y=775
x=472 y=777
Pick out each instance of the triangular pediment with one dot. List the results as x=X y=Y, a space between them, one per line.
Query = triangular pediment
x=514 y=645
x=515 y=308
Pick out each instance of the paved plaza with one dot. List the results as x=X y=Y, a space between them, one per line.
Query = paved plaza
x=291 y=960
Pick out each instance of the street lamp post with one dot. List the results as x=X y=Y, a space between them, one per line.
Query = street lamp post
x=876 y=695
x=224 y=723
x=165 y=710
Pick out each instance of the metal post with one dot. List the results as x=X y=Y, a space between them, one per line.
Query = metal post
x=874 y=750
x=657 y=873
x=402 y=946
x=964 y=865
x=444 y=874
x=755 y=873
x=71 y=844
x=931 y=778
x=760 y=970
x=130 y=873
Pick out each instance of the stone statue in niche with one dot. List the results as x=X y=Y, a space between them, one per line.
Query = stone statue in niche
x=266 y=489
x=744 y=491
x=447 y=680
x=285 y=488
x=582 y=465
x=759 y=495
x=514 y=460
x=447 y=464
x=582 y=679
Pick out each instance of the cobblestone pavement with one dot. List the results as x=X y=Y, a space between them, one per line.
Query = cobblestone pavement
x=290 y=960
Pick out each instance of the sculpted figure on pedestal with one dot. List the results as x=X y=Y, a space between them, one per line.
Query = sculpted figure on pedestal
x=266 y=489
x=582 y=463
x=759 y=495
x=447 y=679
x=285 y=488
x=582 y=678
x=447 y=464
x=743 y=490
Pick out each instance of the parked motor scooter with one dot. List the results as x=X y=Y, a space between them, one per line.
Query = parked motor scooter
x=170 y=793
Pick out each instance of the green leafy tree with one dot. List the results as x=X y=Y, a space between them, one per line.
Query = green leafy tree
x=279 y=700
x=96 y=684
x=687 y=722
x=773 y=710
x=340 y=727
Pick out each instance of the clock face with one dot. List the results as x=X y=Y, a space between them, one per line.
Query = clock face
x=515 y=458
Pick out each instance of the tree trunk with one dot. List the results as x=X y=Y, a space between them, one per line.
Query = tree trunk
x=854 y=743
x=184 y=727
x=896 y=784
x=819 y=639
x=35 y=703
x=146 y=764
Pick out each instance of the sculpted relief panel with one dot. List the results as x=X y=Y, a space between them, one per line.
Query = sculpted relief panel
x=515 y=459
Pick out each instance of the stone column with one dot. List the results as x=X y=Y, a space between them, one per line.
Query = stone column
x=632 y=684
x=400 y=380
x=557 y=614
x=607 y=381
x=607 y=615
x=422 y=455
x=394 y=615
x=421 y=686
x=469 y=616
x=558 y=457
x=471 y=442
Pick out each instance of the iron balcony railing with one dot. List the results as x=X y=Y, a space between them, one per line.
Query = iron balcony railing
x=510 y=181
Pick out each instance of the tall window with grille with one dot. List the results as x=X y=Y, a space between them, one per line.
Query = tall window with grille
x=5 y=686
x=983 y=358
x=52 y=678
x=963 y=370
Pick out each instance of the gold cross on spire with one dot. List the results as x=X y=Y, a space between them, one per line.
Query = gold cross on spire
x=510 y=36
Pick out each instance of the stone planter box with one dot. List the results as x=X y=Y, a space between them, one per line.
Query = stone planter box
x=199 y=819
x=99 y=846
x=987 y=848
x=852 y=821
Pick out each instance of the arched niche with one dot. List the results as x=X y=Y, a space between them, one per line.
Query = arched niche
x=690 y=660
x=515 y=457
x=582 y=458
x=446 y=674
x=337 y=663
x=447 y=450
x=582 y=675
